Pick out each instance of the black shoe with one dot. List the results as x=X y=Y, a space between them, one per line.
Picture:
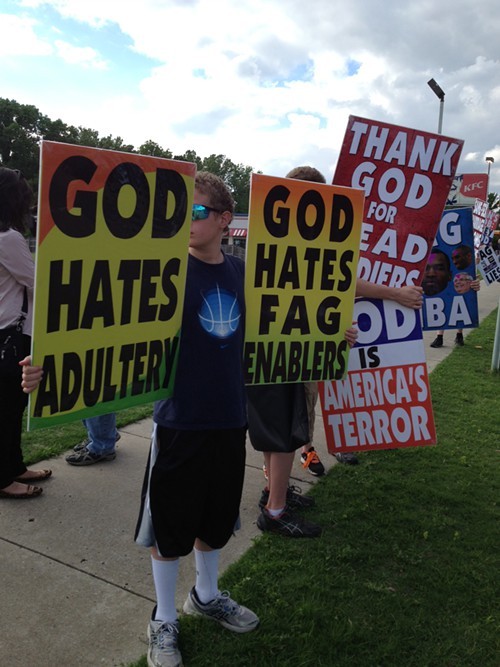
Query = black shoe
x=351 y=459
x=294 y=499
x=287 y=524
x=437 y=342
x=459 y=340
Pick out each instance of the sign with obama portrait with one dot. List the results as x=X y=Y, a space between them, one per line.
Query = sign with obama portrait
x=450 y=301
x=300 y=280
x=112 y=251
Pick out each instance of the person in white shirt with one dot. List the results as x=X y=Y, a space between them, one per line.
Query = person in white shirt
x=16 y=301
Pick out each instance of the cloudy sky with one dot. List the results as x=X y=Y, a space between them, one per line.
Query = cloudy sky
x=268 y=83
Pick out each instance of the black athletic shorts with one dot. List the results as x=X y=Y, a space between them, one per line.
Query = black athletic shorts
x=277 y=417
x=195 y=488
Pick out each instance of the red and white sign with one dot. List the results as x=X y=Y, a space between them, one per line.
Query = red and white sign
x=384 y=402
x=466 y=188
x=406 y=175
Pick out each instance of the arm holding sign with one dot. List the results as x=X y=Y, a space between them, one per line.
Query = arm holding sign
x=409 y=296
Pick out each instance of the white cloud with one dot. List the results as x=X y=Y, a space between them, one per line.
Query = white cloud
x=79 y=55
x=271 y=82
x=19 y=38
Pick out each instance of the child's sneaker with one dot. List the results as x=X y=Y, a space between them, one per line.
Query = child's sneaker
x=310 y=461
x=287 y=524
x=294 y=499
x=222 y=609
x=163 y=650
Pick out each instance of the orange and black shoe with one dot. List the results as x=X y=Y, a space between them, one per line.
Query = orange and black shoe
x=310 y=461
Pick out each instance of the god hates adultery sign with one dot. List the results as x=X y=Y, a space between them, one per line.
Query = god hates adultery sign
x=111 y=265
x=384 y=402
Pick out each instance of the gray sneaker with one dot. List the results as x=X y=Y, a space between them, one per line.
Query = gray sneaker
x=227 y=612
x=85 y=457
x=163 y=650
x=84 y=443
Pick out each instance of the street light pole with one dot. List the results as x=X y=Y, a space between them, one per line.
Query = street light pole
x=490 y=161
x=495 y=359
x=439 y=92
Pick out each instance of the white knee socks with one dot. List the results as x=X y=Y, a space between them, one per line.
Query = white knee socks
x=207 y=574
x=165 y=580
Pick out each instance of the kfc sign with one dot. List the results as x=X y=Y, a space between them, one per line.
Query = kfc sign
x=467 y=188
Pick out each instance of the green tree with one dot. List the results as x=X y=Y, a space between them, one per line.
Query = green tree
x=150 y=147
x=236 y=177
x=190 y=156
x=19 y=136
x=115 y=144
x=493 y=201
x=22 y=127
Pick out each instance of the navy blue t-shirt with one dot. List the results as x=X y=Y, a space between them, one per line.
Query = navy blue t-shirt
x=209 y=389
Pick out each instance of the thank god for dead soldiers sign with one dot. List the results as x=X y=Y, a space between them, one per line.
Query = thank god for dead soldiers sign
x=111 y=265
x=302 y=253
x=406 y=175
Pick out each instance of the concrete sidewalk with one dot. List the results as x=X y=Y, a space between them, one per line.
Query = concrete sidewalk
x=76 y=590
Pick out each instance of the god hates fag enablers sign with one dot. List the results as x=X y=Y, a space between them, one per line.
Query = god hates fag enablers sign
x=302 y=252
x=113 y=235
x=385 y=400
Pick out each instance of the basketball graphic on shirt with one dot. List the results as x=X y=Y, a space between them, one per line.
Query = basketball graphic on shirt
x=220 y=313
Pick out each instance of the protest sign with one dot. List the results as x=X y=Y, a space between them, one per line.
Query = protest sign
x=384 y=402
x=302 y=253
x=489 y=264
x=113 y=236
x=406 y=175
x=485 y=222
x=449 y=301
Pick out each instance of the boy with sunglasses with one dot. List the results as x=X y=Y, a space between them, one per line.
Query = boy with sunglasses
x=200 y=430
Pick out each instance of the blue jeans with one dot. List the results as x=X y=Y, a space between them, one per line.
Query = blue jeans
x=102 y=433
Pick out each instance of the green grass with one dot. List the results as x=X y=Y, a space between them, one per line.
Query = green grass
x=406 y=571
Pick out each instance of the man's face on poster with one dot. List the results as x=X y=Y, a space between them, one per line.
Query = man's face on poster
x=437 y=274
x=461 y=283
x=461 y=257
